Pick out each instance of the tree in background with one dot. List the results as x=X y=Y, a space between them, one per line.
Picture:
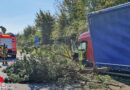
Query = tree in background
x=76 y=9
x=26 y=40
x=69 y=23
x=71 y=19
x=3 y=29
x=29 y=30
x=45 y=22
x=102 y=4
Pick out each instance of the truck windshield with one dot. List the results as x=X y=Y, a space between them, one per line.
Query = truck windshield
x=82 y=46
x=6 y=41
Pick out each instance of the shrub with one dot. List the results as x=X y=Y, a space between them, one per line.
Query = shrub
x=54 y=66
x=54 y=69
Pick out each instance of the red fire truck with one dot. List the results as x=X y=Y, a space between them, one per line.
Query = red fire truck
x=9 y=39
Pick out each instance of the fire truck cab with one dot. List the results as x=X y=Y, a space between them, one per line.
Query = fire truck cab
x=10 y=41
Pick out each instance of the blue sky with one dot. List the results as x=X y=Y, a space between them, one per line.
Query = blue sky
x=15 y=15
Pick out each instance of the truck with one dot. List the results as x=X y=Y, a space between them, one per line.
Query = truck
x=9 y=39
x=82 y=49
x=108 y=39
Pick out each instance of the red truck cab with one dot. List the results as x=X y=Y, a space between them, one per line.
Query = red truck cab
x=85 y=38
x=84 y=49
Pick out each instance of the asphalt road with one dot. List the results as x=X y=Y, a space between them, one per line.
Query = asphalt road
x=10 y=61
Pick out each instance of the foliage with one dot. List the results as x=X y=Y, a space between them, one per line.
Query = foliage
x=44 y=21
x=102 y=4
x=104 y=78
x=70 y=20
x=26 y=40
x=28 y=31
x=54 y=66
x=52 y=61
x=3 y=29
x=72 y=16
x=49 y=68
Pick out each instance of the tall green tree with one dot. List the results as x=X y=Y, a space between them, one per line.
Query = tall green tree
x=44 y=21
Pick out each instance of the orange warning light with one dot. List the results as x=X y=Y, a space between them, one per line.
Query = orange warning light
x=5 y=36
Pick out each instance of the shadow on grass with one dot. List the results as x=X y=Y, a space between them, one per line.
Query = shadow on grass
x=38 y=86
x=50 y=87
x=125 y=80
